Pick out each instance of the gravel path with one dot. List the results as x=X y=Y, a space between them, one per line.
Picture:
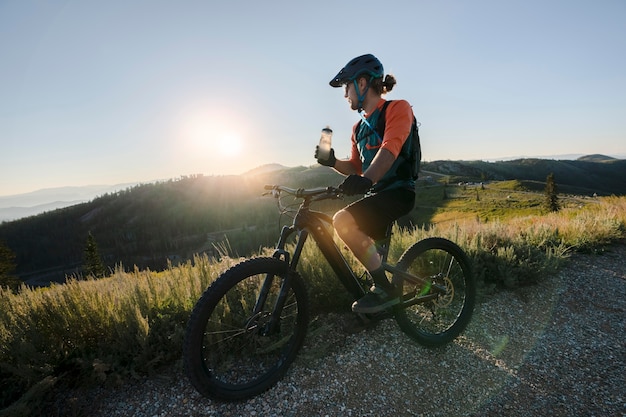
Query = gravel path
x=554 y=349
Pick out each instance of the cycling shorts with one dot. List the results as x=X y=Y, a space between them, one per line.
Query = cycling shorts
x=374 y=213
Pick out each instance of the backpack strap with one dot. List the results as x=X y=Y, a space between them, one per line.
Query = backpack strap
x=380 y=124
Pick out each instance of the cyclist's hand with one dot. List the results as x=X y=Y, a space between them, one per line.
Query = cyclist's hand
x=330 y=162
x=355 y=184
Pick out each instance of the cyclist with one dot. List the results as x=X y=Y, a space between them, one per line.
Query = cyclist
x=374 y=169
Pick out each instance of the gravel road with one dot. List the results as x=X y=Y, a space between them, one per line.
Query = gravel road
x=554 y=349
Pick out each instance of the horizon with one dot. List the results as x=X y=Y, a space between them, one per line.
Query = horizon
x=19 y=206
x=130 y=183
x=105 y=93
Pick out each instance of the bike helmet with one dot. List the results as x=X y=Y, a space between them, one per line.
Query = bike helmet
x=364 y=64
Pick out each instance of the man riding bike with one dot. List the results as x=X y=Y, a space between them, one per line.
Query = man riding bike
x=375 y=168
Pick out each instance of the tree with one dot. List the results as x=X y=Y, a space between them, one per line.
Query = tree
x=7 y=266
x=93 y=262
x=552 y=199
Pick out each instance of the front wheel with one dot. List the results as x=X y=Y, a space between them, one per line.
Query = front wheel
x=245 y=330
x=436 y=312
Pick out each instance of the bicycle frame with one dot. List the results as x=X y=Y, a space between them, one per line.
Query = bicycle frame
x=319 y=226
x=310 y=222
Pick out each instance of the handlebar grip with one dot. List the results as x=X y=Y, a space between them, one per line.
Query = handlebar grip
x=302 y=192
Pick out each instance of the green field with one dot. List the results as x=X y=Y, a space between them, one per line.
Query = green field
x=488 y=201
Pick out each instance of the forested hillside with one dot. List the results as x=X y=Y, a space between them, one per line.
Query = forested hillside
x=150 y=225
x=597 y=174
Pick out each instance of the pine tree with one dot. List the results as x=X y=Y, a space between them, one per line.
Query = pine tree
x=93 y=262
x=7 y=266
x=552 y=199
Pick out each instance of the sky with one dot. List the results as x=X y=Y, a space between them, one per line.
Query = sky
x=110 y=92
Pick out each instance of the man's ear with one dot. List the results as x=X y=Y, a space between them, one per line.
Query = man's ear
x=362 y=81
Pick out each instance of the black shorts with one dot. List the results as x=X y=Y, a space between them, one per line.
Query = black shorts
x=375 y=213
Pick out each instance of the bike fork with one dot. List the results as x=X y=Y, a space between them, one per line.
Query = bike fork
x=273 y=324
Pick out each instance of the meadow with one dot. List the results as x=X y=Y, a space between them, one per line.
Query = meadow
x=106 y=331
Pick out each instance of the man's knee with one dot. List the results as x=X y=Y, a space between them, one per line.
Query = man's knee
x=343 y=222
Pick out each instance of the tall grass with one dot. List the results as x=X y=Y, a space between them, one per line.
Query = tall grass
x=522 y=250
x=99 y=330
x=130 y=323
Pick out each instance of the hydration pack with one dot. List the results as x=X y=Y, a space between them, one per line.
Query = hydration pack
x=411 y=150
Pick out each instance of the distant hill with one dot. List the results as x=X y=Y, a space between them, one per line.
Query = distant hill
x=28 y=204
x=264 y=169
x=591 y=174
x=13 y=213
x=597 y=158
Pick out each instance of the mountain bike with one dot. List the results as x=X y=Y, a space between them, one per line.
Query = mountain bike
x=247 y=327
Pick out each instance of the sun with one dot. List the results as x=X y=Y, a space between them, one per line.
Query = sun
x=204 y=134
x=229 y=144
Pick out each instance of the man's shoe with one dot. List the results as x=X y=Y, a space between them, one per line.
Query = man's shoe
x=376 y=300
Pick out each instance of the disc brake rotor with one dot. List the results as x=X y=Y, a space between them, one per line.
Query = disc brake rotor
x=444 y=300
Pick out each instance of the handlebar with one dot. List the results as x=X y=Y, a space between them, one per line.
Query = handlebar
x=320 y=193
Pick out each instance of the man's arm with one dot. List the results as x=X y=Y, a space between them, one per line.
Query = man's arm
x=382 y=162
x=345 y=167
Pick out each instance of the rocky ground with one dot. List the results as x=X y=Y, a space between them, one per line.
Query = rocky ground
x=554 y=349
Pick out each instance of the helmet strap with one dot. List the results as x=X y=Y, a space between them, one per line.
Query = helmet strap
x=360 y=97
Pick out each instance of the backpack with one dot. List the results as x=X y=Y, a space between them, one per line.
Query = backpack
x=411 y=150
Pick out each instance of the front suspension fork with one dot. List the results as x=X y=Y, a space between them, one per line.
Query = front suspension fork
x=272 y=326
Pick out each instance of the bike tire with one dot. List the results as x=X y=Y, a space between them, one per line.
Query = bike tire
x=440 y=320
x=226 y=354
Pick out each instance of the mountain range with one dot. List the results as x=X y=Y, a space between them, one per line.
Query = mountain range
x=151 y=224
x=18 y=206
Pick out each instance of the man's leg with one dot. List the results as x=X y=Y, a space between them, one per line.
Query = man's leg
x=356 y=224
x=364 y=248
x=361 y=245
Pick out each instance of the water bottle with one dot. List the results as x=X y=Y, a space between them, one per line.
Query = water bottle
x=325 y=144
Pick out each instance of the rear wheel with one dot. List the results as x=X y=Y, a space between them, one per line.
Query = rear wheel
x=437 y=312
x=234 y=346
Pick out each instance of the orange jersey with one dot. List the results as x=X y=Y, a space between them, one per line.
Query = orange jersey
x=398 y=122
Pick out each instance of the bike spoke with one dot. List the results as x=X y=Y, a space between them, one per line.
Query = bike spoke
x=439 y=309
x=236 y=348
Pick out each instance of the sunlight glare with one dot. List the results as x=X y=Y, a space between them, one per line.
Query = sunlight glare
x=203 y=134
x=229 y=144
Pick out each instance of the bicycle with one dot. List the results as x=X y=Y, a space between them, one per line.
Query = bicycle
x=247 y=327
